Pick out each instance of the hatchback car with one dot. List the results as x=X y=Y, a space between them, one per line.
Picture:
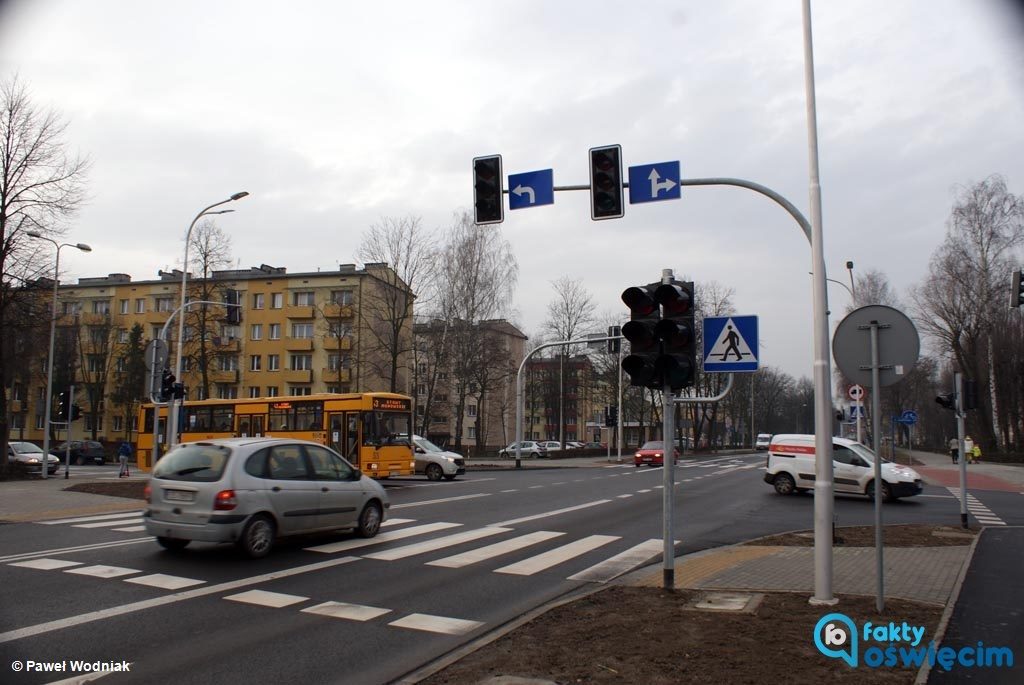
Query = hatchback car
x=436 y=463
x=529 y=448
x=28 y=458
x=81 y=452
x=652 y=453
x=551 y=445
x=250 y=491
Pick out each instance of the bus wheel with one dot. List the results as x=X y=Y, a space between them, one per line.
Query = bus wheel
x=257 y=537
x=434 y=472
x=369 y=521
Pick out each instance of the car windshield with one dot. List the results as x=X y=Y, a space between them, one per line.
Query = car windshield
x=652 y=445
x=867 y=454
x=426 y=445
x=24 y=447
x=193 y=461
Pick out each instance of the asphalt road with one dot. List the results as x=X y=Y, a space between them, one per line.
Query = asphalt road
x=335 y=609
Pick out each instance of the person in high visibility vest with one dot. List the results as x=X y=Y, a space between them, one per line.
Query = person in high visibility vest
x=976 y=453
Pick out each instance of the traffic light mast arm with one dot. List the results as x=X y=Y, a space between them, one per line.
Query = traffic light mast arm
x=717 y=398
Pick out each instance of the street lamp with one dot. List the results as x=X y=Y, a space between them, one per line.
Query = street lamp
x=853 y=288
x=49 y=360
x=173 y=409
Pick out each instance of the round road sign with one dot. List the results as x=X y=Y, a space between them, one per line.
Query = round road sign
x=856 y=392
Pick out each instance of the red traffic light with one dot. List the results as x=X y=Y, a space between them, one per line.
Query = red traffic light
x=640 y=301
x=676 y=299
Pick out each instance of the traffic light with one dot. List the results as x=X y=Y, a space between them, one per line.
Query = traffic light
x=1016 y=289
x=178 y=391
x=63 y=405
x=76 y=412
x=611 y=416
x=640 y=332
x=167 y=385
x=606 y=182
x=614 y=345
x=677 y=363
x=947 y=401
x=970 y=394
x=488 y=205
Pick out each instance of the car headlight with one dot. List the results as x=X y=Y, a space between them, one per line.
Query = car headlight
x=33 y=460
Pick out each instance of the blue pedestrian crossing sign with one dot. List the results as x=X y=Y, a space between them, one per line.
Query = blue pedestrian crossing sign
x=654 y=182
x=730 y=344
x=531 y=189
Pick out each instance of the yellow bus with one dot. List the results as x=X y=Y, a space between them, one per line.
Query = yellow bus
x=369 y=429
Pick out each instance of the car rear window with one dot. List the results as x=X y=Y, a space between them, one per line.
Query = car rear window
x=193 y=462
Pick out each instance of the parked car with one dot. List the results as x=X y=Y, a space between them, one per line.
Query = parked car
x=435 y=462
x=790 y=468
x=82 y=451
x=529 y=448
x=652 y=453
x=573 y=445
x=251 y=491
x=763 y=440
x=593 y=445
x=28 y=458
x=551 y=445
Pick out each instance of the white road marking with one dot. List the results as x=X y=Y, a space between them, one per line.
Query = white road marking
x=334 y=547
x=556 y=512
x=101 y=517
x=628 y=494
x=352 y=612
x=266 y=599
x=436 y=624
x=71 y=621
x=46 y=564
x=130 y=529
x=528 y=567
x=615 y=566
x=497 y=549
x=645 y=490
x=78 y=548
x=103 y=571
x=395 y=522
x=512 y=490
x=436 y=543
x=108 y=524
x=438 y=501
x=164 y=582
x=534 y=487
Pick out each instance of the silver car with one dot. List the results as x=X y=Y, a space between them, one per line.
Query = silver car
x=436 y=463
x=250 y=491
x=28 y=458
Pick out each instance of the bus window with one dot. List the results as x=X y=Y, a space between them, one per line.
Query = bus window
x=386 y=428
x=222 y=418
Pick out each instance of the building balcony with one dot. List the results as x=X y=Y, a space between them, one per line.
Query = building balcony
x=336 y=375
x=298 y=344
x=338 y=311
x=299 y=311
x=297 y=375
x=224 y=344
x=229 y=377
x=338 y=343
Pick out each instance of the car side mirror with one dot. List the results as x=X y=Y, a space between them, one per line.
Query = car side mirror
x=420 y=450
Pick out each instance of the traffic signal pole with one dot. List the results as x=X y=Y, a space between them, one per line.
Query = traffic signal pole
x=958 y=382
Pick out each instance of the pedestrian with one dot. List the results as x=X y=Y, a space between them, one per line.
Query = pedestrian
x=968 y=448
x=976 y=454
x=123 y=454
x=954 y=449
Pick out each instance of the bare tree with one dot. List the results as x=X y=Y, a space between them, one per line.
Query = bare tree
x=210 y=250
x=41 y=187
x=402 y=244
x=570 y=315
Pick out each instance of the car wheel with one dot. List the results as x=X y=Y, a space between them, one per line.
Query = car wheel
x=784 y=484
x=172 y=544
x=257 y=537
x=534 y=455
x=369 y=521
x=886 y=492
x=451 y=477
x=434 y=472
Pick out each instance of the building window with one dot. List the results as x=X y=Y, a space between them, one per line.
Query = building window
x=121 y=365
x=301 y=362
x=471 y=410
x=276 y=300
x=97 y=335
x=101 y=307
x=227 y=392
x=122 y=335
x=256 y=332
x=71 y=308
x=96 y=363
x=275 y=331
x=230 y=331
x=272 y=391
x=343 y=297
x=89 y=423
x=421 y=367
x=303 y=299
x=118 y=422
x=254 y=391
x=140 y=305
x=124 y=306
x=471 y=433
x=299 y=390
x=273 y=362
x=339 y=330
x=165 y=304
x=302 y=330
x=229 y=362
x=421 y=389
x=257 y=303
x=156 y=330
x=255 y=362
x=337 y=361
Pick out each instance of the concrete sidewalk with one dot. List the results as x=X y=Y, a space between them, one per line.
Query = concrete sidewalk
x=939 y=469
x=37 y=499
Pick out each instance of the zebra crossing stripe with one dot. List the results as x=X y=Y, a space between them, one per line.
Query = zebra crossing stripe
x=436 y=624
x=613 y=567
x=99 y=517
x=333 y=547
x=164 y=582
x=266 y=598
x=46 y=564
x=489 y=552
x=436 y=543
x=352 y=612
x=108 y=524
x=541 y=562
x=102 y=571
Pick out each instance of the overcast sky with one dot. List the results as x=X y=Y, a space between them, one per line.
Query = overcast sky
x=335 y=114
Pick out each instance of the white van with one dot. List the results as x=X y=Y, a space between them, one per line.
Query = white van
x=762 y=442
x=790 y=468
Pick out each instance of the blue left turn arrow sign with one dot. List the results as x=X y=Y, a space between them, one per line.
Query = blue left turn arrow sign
x=531 y=188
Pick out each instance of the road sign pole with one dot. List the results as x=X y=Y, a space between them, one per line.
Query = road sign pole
x=876 y=428
x=958 y=380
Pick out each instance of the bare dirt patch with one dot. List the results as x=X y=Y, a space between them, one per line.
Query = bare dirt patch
x=909 y=535
x=131 y=489
x=646 y=635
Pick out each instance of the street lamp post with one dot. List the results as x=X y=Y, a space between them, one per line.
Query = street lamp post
x=172 y=414
x=49 y=359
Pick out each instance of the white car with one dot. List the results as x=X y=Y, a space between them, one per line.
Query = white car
x=762 y=442
x=28 y=458
x=551 y=445
x=436 y=463
x=529 y=448
x=790 y=468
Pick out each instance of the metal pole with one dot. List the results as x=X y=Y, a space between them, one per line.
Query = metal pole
x=618 y=432
x=49 y=369
x=958 y=380
x=876 y=427
x=668 y=443
x=823 y=484
x=67 y=439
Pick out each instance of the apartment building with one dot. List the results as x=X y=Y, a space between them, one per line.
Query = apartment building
x=288 y=334
x=560 y=396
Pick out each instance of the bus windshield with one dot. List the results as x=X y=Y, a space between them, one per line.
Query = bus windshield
x=386 y=428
